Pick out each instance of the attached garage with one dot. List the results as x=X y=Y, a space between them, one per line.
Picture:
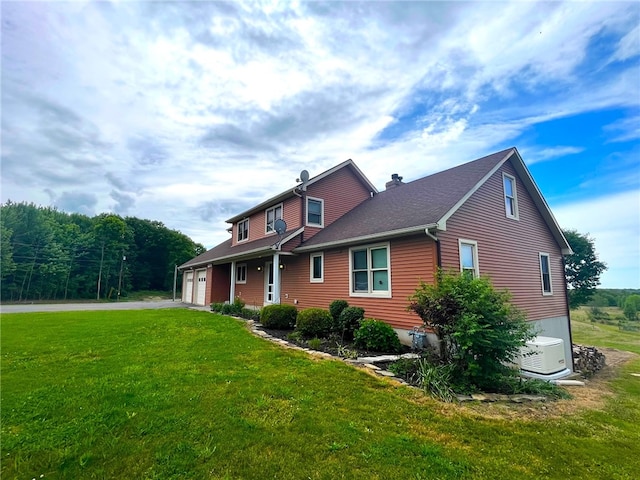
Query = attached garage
x=201 y=286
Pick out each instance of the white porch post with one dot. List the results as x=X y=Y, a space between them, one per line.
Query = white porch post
x=276 y=278
x=232 y=287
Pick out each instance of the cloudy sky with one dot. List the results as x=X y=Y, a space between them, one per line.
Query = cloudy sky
x=190 y=112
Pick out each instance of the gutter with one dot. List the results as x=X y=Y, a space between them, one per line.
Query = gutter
x=365 y=238
x=438 y=250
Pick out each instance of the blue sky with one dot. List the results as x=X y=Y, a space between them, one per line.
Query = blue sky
x=190 y=112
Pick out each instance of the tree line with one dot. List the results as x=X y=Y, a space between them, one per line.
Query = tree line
x=47 y=254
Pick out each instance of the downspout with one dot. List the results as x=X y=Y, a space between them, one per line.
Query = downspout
x=566 y=295
x=438 y=252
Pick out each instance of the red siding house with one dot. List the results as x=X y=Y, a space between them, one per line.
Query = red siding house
x=346 y=240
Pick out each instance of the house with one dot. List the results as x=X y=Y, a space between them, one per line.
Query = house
x=345 y=239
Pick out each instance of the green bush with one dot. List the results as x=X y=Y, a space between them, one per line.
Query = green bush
x=349 y=321
x=376 y=336
x=227 y=309
x=479 y=330
x=216 y=307
x=279 y=316
x=436 y=380
x=315 y=344
x=314 y=322
x=335 y=309
x=234 y=308
x=250 y=314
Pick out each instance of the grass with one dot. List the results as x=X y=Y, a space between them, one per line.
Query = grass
x=188 y=394
x=591 y=333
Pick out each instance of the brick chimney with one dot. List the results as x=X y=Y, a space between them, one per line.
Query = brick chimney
x=396 y=181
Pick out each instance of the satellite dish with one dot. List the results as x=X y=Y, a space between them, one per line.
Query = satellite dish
x=304 y=176
x=280 y=226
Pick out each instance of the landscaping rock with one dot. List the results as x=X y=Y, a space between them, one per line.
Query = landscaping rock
x=371 y=366
x=385 y=373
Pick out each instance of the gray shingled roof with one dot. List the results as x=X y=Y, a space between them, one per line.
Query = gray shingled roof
x=413 y=206
x=416 y=204
x=226 y=251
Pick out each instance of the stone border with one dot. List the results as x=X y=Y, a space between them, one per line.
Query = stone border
x=368 y=363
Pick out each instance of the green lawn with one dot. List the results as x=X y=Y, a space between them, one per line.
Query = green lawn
x=188 y=394
x=590 y=333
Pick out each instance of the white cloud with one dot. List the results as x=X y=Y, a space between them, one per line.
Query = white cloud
x=613 y=222
x=189 y=111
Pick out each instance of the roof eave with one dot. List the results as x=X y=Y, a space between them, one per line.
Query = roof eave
x=290 y=193
x=367 y=238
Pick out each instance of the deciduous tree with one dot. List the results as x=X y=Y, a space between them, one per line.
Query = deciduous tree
x=582 y=268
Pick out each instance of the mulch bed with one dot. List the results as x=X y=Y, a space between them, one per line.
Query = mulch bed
x=328 y=345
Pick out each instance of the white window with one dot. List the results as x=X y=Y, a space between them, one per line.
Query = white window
x=545 y=274
x=469 y=257
x=273 y=214
x=316 y=268
x=315 y=212
x=241 y=273
x=243 y=230
x=370 y=271
x=510 y=196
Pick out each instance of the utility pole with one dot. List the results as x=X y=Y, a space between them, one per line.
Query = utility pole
x=175 y=281
x=100 y=274
x=120 y=276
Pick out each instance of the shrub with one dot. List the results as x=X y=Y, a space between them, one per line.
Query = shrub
x=250 y=314
x=335 y=309
x=313 y=322
x=278 y=316
x=435 y=379
x=479 y=330
x=406 y=368
x=376 y=336
x=349 y=321
x=227 y=309
x=216 y=307
x=315 y=344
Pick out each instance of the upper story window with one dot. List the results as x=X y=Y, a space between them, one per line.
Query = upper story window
x=273 y=214
x=469 y=257
x=370 y=271
x=243 y=230
x=241 y=273
x=315 y=212
x=510 y=196
x=545 y=274
x=316 y=268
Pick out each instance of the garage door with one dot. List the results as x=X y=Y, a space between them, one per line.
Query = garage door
x=201 y=287
x=187 y=295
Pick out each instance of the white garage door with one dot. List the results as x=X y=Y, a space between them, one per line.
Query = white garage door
x=201 y=287
x=187 y=295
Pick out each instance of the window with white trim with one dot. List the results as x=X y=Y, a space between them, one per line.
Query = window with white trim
x=316 y=268
x=545 y=274
x=241 y=273
x=315 y=212
x=469 y=257
x=272 y=214
x=243 y=230
x=510 y=196
x=370 y=271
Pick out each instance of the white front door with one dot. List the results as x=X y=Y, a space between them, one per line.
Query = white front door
x=268 y=283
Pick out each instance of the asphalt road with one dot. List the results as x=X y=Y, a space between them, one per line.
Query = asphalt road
x=66 y=307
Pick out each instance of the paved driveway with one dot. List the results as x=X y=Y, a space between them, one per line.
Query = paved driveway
x=65 y=307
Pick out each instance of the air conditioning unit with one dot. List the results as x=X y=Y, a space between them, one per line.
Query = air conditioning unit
x=543 y=357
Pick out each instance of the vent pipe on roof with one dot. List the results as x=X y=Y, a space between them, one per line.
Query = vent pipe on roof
x=396 y=181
